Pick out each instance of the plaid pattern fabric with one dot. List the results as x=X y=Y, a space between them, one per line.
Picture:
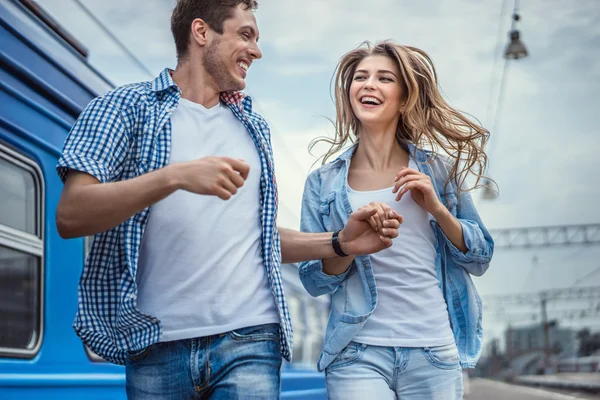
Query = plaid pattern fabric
x=123 y=134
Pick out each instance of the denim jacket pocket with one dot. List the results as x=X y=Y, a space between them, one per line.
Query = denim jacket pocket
x=326 y=209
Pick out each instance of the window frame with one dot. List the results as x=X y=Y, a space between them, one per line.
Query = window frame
x=31 y=244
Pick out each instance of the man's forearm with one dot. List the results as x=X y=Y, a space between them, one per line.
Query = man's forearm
x=301 y=246
x=97 y=207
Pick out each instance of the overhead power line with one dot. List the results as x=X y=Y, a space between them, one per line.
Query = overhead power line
x=552 y=314
x=129 y=53
x=562 y=294
x=586 y=277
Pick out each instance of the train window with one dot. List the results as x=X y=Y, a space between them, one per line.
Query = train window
x=17 y=191
x=87 y=245
x=18 y=299
x=21 y=255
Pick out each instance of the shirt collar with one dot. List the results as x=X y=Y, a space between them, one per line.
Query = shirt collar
x=165 y=81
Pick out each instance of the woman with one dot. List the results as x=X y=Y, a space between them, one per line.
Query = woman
x=406 y=320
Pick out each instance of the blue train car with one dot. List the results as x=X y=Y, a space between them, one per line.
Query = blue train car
x=45 y=82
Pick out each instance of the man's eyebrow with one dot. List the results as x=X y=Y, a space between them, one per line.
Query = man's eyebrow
x=251 y=29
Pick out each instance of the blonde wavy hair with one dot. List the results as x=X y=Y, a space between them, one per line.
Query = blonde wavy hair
x=427 y=120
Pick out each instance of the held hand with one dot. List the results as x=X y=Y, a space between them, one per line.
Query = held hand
x=421 y=190
x=217 y=176
x=370 y=229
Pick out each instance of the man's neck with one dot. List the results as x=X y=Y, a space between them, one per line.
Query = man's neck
x=195 y=83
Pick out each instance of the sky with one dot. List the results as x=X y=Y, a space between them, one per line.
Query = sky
x=543 y=150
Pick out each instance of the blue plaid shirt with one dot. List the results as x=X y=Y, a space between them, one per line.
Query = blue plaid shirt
x=124 y=134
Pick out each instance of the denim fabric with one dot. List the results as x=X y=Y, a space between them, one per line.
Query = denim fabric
x=325 y=208
x=241 y=364
x=374 y=372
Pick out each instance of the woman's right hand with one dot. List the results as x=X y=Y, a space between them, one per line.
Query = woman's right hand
x=370 y=229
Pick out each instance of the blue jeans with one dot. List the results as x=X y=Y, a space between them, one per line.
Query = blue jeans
x=241 y=364
x=406 y=373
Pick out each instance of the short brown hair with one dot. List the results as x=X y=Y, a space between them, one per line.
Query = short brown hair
x=213 y=12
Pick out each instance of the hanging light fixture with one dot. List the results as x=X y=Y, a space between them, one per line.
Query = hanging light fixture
x=488 y=192
x=515 y=48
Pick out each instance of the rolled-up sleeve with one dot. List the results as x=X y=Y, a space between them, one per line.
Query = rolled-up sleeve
x=97 y=143
x=479 y=242
x=315 y=281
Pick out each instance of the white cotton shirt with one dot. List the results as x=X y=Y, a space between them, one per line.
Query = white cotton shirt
x=200 y=270
x=410 y=311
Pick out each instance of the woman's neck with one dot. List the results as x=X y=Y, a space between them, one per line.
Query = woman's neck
x=379 y=150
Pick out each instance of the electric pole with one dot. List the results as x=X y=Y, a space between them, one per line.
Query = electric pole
x=546 y=327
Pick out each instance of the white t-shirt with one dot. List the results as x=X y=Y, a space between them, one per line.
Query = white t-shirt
x=200 y=268
x=410 y=311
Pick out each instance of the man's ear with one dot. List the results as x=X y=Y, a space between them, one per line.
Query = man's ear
x=200 y=31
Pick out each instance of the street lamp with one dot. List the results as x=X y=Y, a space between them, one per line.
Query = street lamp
x=515 y=50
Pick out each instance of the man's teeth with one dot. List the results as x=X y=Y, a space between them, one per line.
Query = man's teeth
x=243 y=65
x=370 y=100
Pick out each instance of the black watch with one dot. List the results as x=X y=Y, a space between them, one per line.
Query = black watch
x=335 y=243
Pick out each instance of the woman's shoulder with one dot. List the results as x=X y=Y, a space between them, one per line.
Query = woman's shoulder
x=325 y=176
x=439 y=162
x=325 y=171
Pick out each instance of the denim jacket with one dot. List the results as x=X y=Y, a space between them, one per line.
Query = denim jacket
x=325 y=208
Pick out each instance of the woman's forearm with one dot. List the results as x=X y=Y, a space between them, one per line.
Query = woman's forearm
x=452 y=228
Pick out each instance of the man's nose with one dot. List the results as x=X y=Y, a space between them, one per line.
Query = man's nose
x=255 y=52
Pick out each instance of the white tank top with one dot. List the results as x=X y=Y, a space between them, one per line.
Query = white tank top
x=201 y=269
x=410 y=311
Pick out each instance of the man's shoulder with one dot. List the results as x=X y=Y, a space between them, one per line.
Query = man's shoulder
x=128 y=96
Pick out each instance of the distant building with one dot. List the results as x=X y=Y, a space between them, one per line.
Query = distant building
x=520 y=340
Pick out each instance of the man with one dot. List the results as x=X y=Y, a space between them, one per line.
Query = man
x=189 y=296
